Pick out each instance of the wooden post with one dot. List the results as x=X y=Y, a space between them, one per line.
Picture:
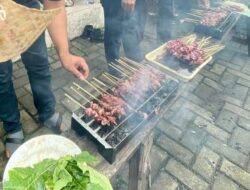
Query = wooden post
x=145 y=163
x=139 y=166
x=134 y=171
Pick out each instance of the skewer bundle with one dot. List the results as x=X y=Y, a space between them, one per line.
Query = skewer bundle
x=191 y=49
x=108 y=107
x=211 y=17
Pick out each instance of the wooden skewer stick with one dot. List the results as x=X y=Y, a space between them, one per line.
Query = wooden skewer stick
x=126 y=65
x=100 y=82
x=75 y=101
x=112 y=76
x=125 y=70
x=195 y=15
x=117 y=69
x=110 y=79
x=85 y=91
x=91 y=86
x=78 y=93
x=138 y=65
x=128 y=68
x=100 y=88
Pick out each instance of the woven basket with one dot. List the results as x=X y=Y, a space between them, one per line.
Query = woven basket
x=21 y=28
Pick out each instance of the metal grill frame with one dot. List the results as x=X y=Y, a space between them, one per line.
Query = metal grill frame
x=106 y=150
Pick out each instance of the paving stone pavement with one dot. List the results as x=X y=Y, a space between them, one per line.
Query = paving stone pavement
x=201 y=143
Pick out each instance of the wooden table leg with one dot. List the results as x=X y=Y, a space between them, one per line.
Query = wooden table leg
x=139 y=166
x=134 y=171
x=145 y=164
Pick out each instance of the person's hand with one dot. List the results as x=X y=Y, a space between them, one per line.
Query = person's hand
x=128 y=5
x=76 y=65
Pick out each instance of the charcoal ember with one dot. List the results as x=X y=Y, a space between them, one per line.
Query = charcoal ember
x=116 y=137
x=105 y=130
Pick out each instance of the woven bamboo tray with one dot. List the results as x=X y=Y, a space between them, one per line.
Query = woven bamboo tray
x=21 y=27
x=181 y=73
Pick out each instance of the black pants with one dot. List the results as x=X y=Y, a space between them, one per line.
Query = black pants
x=163 y=18
x=122 y=28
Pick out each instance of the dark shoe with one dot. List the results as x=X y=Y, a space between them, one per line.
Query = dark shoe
x=87 y=31
x=54 y=123
x=97 y=35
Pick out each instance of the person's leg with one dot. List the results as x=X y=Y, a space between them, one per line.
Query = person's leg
x=9 y=112
x=141 y=14
x=113 y=29
x=163 y=17
x=36 y=62
x=131 y=36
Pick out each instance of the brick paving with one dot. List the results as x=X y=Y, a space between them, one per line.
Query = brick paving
x=203 y=140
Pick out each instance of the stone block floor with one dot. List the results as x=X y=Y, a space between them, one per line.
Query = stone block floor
x=203 y=140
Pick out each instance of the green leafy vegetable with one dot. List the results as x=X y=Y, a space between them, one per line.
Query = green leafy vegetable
x=67 y=173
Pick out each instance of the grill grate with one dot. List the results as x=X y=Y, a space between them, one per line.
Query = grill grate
x=110 y=139
x=219 y=31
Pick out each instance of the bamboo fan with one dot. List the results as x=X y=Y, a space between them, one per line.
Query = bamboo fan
x=20 y=27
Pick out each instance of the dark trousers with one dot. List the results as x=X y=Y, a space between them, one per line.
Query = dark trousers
x=36 y=63
x=121 y=27
x=163 y=17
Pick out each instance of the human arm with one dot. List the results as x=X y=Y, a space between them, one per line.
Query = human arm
x=128 y=5
x=58 y=32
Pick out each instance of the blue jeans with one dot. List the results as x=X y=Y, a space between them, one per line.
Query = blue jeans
x=121 y=28
x=36 y=63
x=164 y=15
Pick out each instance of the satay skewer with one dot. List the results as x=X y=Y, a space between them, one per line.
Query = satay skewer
x=75 y=101
x=100 y=88
x=110 y=79
x=138 y=65
x=112 y=76
x=195 y=15
x=117 y=69
x=79 y=104
x=127 y=104
x=126 y=65
x=78 y=93
x=100 y=82
x=86 y=92
x=123 y=68
x=90 y=84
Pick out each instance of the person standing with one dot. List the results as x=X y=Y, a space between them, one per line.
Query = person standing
x=122 y=28
x=164 y=16
x=36 y=63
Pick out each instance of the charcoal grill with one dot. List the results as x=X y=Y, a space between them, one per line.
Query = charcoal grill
x=111 y=139
x=221 y=30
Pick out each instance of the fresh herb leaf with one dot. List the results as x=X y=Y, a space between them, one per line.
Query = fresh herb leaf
x=66 y=173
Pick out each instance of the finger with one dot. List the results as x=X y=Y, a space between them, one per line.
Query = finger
x=125 y=6
x=132 y=8
x=77 y=74
x=84 y=69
